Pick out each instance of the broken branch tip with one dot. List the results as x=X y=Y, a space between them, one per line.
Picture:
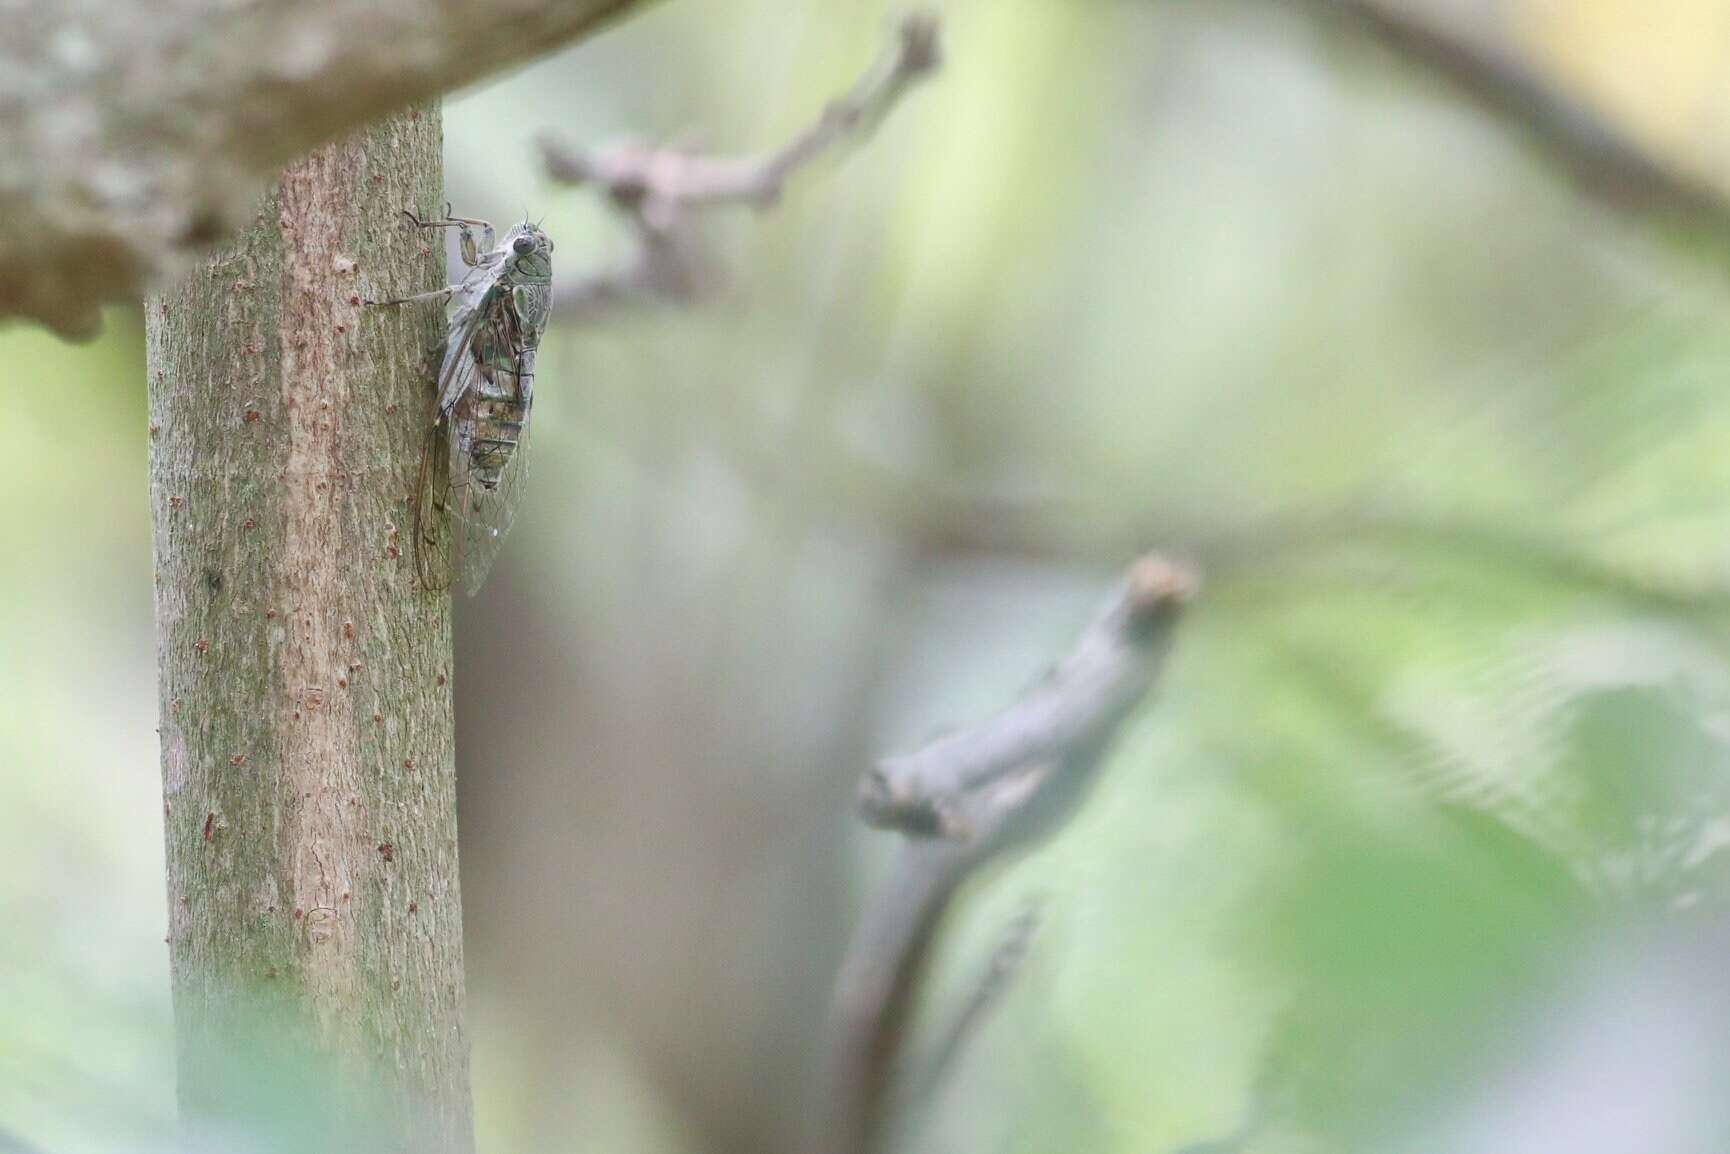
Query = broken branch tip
x=1159 y=583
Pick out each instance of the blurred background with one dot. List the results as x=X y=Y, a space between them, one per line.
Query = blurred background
x=1421 y=846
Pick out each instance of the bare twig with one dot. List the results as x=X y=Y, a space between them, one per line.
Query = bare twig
x=654 y=187
x=988 y=990
x=1604 y=160
x=941 y=788
x=135 y=137
x=12 y=1144
x=982 y=792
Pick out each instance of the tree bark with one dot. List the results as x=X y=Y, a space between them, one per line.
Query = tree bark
x=307 y=752
x=134 y=137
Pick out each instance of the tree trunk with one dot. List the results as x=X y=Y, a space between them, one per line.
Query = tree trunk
x=307 y=752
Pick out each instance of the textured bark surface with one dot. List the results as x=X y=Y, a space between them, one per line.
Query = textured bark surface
x=307 y=752
x=133 y=137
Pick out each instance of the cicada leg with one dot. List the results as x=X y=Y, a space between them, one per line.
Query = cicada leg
x=441 y=295
x=471 y=250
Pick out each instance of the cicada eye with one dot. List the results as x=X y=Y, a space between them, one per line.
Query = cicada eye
x=524 y=244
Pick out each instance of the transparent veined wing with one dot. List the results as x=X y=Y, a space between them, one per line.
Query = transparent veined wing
x=481 y=516
x=460 y=372
x=432 y=524
x=444 y=474
x=473 y=467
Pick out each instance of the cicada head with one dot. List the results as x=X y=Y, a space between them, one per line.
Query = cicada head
x=530 y=252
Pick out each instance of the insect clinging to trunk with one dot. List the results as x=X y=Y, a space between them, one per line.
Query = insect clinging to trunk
x=475 y=458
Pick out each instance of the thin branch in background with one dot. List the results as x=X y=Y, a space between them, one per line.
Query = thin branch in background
x=968 y=799
x=12 y=1144
x=1605 y=160
x=1007 y=957
x=955 y=786
x=655 y=187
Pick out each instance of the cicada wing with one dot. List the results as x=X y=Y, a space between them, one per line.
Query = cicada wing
x=460 y=371
x=433 y=539
x=482 y=517
x=444 y=469
x=484 y=401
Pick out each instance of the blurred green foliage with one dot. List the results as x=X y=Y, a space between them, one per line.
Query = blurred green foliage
x=84 y=1027
x=1450 y=717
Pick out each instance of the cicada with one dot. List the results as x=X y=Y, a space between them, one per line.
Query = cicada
x=475 y=458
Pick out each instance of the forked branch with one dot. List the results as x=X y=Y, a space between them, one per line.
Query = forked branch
x=963 y=801
x=655 y=187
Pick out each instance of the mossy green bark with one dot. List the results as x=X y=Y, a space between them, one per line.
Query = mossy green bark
x=307 y=750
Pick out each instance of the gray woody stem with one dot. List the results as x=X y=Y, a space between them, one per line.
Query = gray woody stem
x=654 y=187
x=134 y=137
x=966 y=800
